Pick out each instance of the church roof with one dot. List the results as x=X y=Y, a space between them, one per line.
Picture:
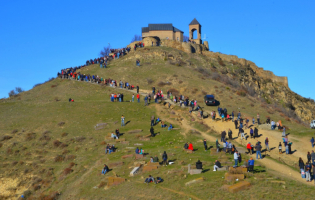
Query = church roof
x=160 y=27
x=194 y=22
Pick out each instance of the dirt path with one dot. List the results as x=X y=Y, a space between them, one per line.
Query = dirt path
x=268 y=163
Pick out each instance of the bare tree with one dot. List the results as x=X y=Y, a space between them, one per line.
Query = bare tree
x=186 y=38
x=136 y=38
x=105 y=51
x=18 y=90
x=12 y=93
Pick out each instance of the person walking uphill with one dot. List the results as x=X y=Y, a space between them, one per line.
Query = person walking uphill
x=122 y=120
x=164 y=158
x=258 y=150
x=152 y=120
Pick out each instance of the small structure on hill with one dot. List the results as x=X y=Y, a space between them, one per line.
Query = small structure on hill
x=162 y=31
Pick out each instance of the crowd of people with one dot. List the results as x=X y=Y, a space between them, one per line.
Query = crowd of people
x=241 y=124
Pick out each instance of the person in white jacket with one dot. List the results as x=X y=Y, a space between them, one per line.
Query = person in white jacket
x=236 y=158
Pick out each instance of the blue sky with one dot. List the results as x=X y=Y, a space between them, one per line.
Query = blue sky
x=38 y=38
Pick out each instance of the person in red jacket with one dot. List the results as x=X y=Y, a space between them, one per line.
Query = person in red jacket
x=138 y=97
x=190 y=147
x=249 y=148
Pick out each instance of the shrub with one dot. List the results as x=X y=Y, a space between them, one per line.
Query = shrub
x=30 y=136
x=71 y=164
x=45 y=136
x=180 y=81
x=59 y=158
x=1 y=145
x=57 y=99
x=70 y=157
x=65 y=151
x=80 y=138
x=103 y=143
x=37 y=187
x=14 y=131
x=63 y=145
x=9 y=151
x=52 y=196
x=67 y=171
x=282 y=114
x=220 y=61
x=194 y=90
x=203 y=92
x=61 y=123
x=56 y=143
x=287 y=119
x=161 y=83
x=215 y=86
x=174 y=91
x=203 y=71
x=64 y=134
x=231 y=97
x=52 y=86
x=14 y=163
x=150 y=81
x=6 y=137
x=270 y=111
x=241 y=93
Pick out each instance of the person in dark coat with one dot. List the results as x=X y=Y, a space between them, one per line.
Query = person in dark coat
x=230 y=134
x=152 y=131
x=205 y=144
x=198 y=165
x=290 y=150
x=239 y=158
x=236 y=123
x=255 y=132
x=164 y=157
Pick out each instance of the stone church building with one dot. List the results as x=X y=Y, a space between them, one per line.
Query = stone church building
x=169 y=32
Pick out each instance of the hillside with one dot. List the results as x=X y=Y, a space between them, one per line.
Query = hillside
x=50 y=148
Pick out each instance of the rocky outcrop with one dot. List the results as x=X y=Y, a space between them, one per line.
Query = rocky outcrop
x=272 y=88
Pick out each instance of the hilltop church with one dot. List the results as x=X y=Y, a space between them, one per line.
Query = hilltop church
x=169 y=32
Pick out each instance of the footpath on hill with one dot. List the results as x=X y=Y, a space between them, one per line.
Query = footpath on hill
x=299 y=147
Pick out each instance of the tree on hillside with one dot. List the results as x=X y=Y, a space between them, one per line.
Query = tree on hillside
x=105 y=51
x=15 y=92
x=136 y=38
x=186 y=38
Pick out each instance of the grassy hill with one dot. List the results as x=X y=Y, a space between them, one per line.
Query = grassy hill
x=50 y=149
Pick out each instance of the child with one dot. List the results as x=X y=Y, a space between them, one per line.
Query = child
x=280 y=148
